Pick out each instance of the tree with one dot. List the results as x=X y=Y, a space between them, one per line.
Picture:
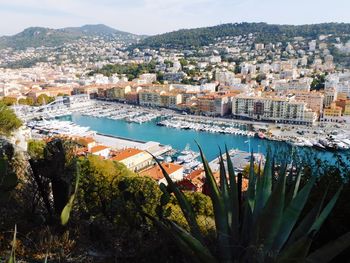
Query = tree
x=36 y=149
x=9 y=101
x=54 y=175
x=8 y=120
x=318 y=82
x=183 y=62
x=44 y=99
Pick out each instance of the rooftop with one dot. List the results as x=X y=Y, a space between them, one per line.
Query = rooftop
x=127 y=153
x=156 y=173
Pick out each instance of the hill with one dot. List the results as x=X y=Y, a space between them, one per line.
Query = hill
x=265 y=33
x=40 y=36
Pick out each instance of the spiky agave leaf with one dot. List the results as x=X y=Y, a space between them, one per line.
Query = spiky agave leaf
x=325 y=213
x=296 y=252
x=12 y=258
x=185 y=206
x=202 y=252
x=220 y=214
x=248 y=210
x=329 y=251
x=263 y=187
x=306 y=223
x=271 y=216
x=233 y=205
x=65 y=214
x=291 y=215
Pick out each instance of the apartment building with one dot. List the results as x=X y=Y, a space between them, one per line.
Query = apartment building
x=277 y=109
x=170 y=100
x=214 y=104
x=314 y=100
x=333 y=113
x=51 y=92
x=291 y=86
x=118 y=92
x=150 y=98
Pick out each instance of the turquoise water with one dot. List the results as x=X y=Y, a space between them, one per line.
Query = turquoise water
x=210 y=142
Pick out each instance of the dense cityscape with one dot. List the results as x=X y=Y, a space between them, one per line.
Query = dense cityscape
x=113 y=119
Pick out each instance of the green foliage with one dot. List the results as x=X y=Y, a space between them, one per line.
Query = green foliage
x=183 y=62
x=262 y=225
x=43 y=99
x=131 y=70
x=318 y=82
x=202 y=207
x=9 y=101
x=27 y=101
x=8 y=120
x=53 y=174
x=100 y=191
x=65 y=214
x=8 y=177
x=265 y=33
x=36 y=149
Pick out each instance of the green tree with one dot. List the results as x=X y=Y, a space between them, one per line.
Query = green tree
x=183 y=62
x=36 y=149
x=27 y=101
x=9 y=101
x=8 y=120
x=43 y=99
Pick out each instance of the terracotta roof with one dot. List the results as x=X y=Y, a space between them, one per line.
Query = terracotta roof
x=127 y=153
x=194 y=174
x=156 y=173
x=98 y=148
x=85 y=140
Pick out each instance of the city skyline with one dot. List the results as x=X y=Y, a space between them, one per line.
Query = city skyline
x=152 y=17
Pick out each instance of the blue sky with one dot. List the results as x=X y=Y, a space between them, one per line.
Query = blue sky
x=159 y=16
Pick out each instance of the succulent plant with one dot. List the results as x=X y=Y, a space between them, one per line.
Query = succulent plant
x=263 y=224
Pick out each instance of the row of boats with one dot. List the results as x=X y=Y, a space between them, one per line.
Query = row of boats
x=56 y=127
x=120 y=112
x=214 y=128
x=327 y=143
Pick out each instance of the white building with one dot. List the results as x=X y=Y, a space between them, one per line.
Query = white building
x=277 y=109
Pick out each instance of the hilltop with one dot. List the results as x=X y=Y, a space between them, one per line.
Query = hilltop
x=265 y=33
x=48 y=37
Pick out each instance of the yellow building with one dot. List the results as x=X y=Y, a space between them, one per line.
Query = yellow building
x=170 y=100
x=150 y=98
x=333 y=113
x=347 y=108
x=133 y=159
x=118 y=93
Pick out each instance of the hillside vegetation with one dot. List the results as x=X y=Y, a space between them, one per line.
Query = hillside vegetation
x=265 y=33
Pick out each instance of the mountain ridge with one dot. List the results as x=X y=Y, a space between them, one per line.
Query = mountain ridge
x=49 y=37
x=206 y=35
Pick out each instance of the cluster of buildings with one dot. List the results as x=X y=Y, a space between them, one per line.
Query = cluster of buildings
x=234 y=77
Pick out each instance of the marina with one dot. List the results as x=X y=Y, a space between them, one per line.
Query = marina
x=120 y=126
x=210 y=142
x=324 y=136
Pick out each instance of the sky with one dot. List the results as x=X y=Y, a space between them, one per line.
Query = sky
x=159 y=16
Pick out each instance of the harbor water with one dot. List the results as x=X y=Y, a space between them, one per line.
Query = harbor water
x=210 y=142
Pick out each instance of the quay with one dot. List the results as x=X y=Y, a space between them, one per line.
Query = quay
x=119 y=143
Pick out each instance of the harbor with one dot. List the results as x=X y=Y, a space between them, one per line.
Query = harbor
x=323 y=136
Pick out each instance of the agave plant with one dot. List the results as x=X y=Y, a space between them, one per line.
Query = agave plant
x=263 y=224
